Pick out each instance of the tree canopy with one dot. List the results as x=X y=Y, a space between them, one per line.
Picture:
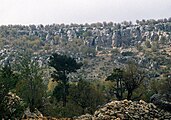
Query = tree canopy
x=63 y=65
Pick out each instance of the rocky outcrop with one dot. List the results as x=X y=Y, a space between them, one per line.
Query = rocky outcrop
x=34 y=115
x=84 y=117
x=97 y=34
x=128 y=110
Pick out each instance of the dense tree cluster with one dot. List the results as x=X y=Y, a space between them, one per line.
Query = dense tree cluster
x=68 y=98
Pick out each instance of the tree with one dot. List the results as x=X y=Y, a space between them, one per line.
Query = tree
x=133 y=78
x=117 y=76
x=164 y=86
x=163 y=40
x=147 y=44
x=63 y=65
x=87 y=34
x=155 y=46
x=127 y=80
x=8 y=80
x=137 y=21
x=86 y=95
x=31 y=87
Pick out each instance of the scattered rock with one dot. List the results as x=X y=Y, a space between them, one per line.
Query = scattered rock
x=84 y=117
x=128 y=110
x=35 y=115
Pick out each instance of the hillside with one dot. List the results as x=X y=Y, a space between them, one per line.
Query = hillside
x=98 y=45
x=65 y=71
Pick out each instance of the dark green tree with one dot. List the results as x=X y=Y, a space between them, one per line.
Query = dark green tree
x=63 y=65
x=127 y=80
x=8 y=80
x=117 y=76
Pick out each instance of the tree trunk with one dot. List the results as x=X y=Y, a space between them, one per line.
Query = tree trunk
x=32 y=107
x=64 y=96
x=64 y=101
x=129 y=95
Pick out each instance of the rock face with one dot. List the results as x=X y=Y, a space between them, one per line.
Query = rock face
x=97 y=34
x=128 y=110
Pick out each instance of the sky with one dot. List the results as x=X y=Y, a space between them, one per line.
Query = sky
x=81 y=11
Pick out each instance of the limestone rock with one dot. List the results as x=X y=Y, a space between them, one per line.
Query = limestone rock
x=139 y=110
x=127 y=110
x=35 y=115
x=84 y=117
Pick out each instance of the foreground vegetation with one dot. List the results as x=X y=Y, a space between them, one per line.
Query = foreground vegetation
x=28 y=80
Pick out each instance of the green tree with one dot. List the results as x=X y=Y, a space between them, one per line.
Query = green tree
x=164 y=86
x=155 y=46
x=63 y=65
x=85 y=95
x=8 y=80
x=31 y=86
x=147 y=44
x=133 y=78
x=117 y=76
x=127 y=80
x=163 y=40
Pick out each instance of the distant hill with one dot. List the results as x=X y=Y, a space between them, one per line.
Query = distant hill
x=99 y=45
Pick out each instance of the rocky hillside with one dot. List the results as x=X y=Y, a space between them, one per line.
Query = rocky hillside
x=128 y=110
x=97 y=34
x=99 y=45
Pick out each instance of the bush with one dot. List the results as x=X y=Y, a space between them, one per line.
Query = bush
x=127 y=53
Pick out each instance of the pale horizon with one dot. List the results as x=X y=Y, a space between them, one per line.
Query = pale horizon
x=44 y=12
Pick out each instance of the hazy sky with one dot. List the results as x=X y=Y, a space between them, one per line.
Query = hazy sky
x=81 y=11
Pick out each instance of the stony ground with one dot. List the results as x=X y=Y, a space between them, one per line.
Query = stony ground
x=120 y=110
x=128 y=110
